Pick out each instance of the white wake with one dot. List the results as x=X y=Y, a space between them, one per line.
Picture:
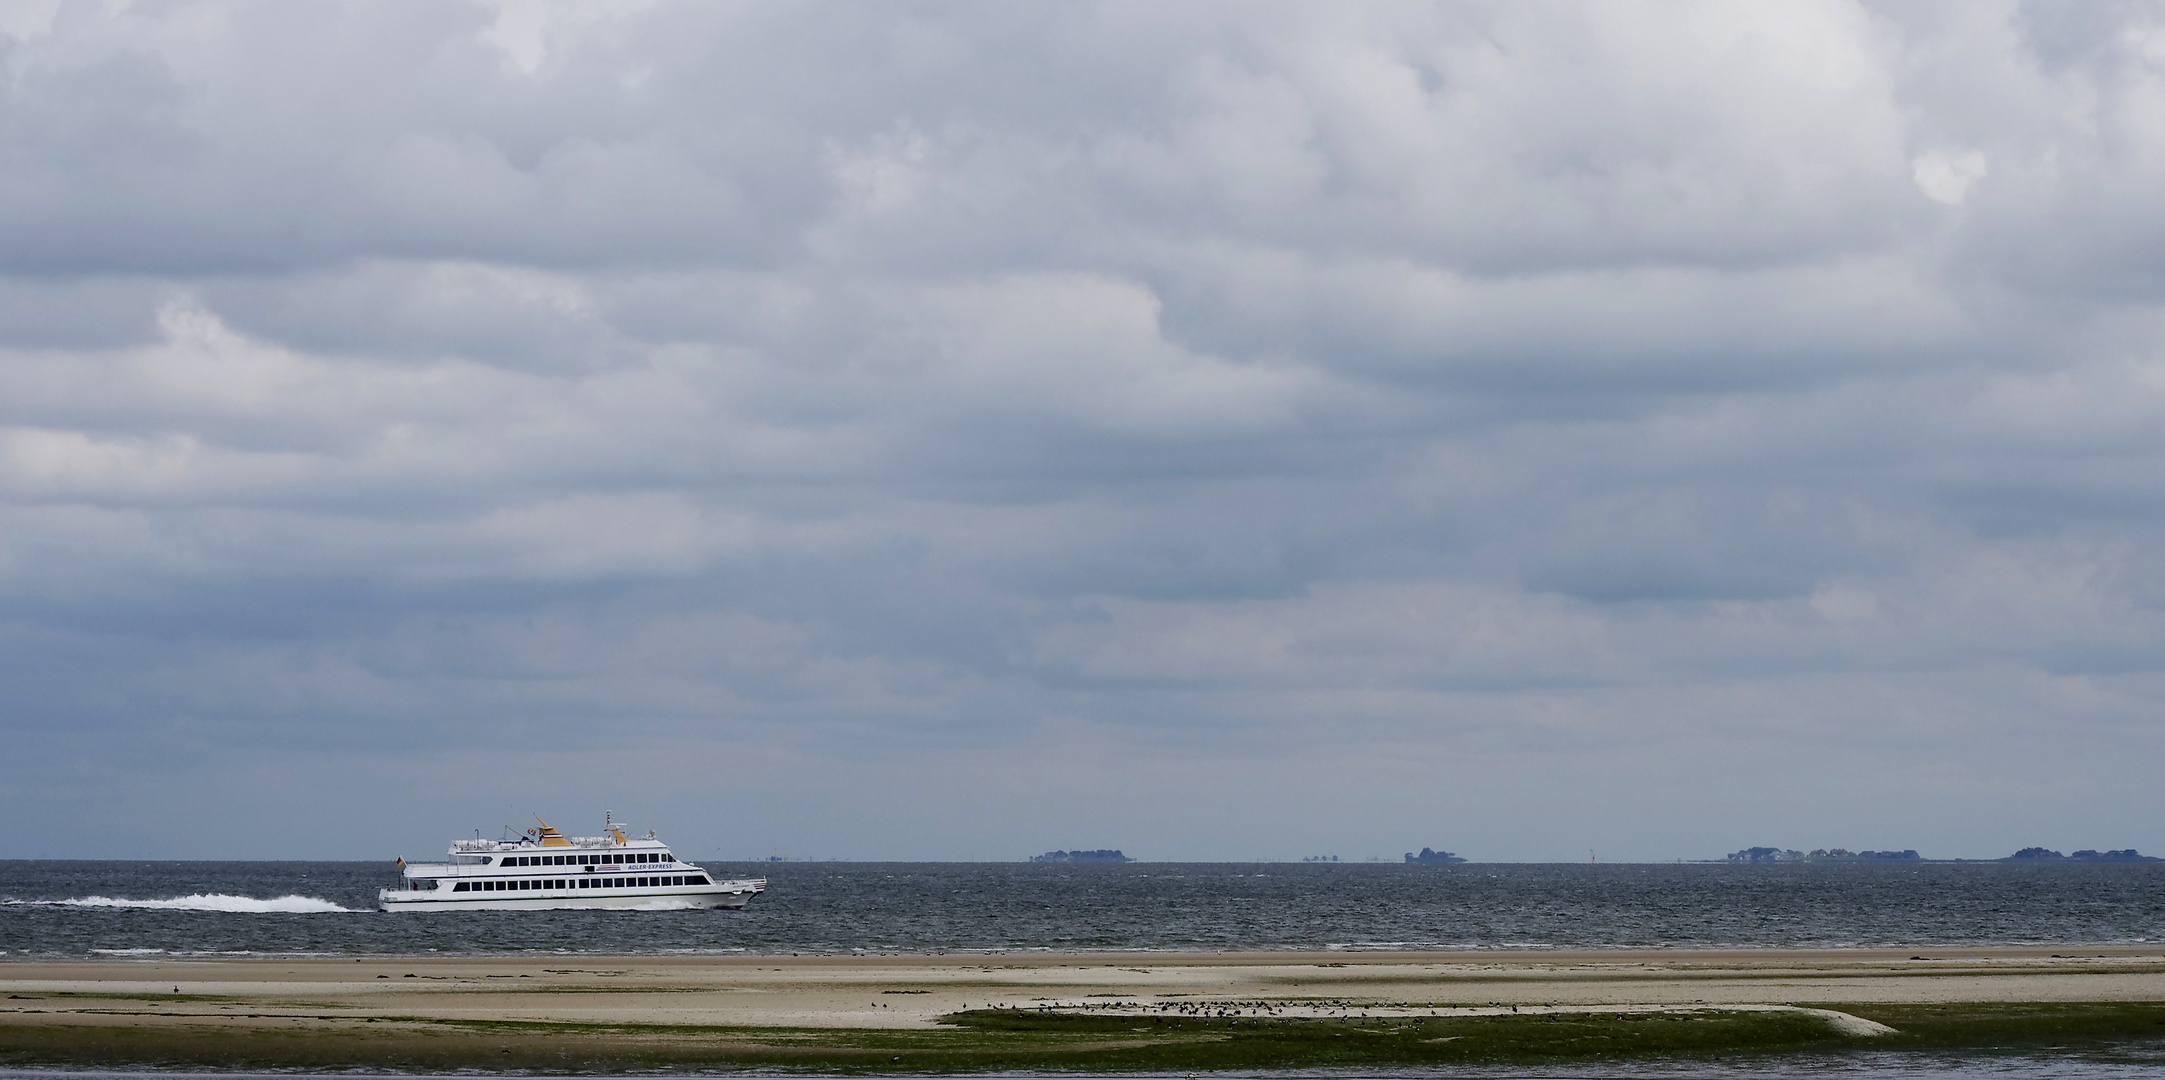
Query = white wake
x=288 y=905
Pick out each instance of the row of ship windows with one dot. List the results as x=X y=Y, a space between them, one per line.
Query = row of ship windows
x=522 y=884
x=611 y=859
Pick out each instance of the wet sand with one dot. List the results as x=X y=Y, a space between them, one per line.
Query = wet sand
x=912 y=992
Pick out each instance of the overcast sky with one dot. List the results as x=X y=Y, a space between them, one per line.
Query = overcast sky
x=956 y=431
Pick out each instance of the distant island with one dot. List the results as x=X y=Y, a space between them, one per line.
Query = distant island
x=1756 y=855
x=1781 y=855
x=2038 y=854
x=1102 y=855
x=1433 y=858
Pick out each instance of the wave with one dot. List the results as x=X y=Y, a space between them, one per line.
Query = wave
x=284 y=905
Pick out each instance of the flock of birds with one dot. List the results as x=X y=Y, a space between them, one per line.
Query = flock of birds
x=1402 y=1014
x=1345 y=1012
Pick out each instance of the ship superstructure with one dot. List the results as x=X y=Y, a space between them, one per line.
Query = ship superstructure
x=546 y=869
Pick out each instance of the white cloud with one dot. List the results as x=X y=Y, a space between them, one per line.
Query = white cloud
x=528 y=30
x=1946 y=176
x=1089 y=351
x=1588 y=405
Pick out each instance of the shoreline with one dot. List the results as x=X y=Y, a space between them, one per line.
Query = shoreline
x=1087 y=1011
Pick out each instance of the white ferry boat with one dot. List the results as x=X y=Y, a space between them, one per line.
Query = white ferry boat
x=547 y=869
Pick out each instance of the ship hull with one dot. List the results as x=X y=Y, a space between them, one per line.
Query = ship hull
x=727 y=895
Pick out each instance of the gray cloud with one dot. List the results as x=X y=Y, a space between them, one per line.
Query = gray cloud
x=955 y=431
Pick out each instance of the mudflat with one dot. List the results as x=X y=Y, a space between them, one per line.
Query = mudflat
x=588 y=1011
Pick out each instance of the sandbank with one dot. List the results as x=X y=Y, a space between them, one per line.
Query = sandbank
x=138 y=1005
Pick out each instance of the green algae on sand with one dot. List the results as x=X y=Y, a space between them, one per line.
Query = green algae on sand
x=1009 y=1039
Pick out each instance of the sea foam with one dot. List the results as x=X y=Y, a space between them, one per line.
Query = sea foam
x=287 y=905
x=662 y=905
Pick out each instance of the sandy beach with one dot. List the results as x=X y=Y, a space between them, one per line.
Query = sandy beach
x=914 y=991
x=365 y=1001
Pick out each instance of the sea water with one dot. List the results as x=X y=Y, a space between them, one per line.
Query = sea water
x=159 y=910
x=64 y=909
